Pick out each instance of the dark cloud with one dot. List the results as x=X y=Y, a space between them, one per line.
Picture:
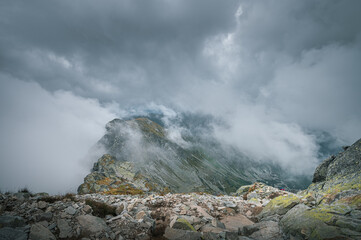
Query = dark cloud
x=273 y=71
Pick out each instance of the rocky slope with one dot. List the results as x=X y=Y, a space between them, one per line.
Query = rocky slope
x=330 y=209
x=141 y=157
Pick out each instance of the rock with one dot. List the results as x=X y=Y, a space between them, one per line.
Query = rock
x=8 y=233
x=87 y=209
x=119 y=209
x=64 y=228
x=182 y=223
x=179 y=234
x=234 y=223
x=47 y=216
x=39 y=232
x=321 y=171
x=91 y=225
x=11 y=221
x=42 y=205
x=263 y=230
x=218 y=224
x=140 y=215
x=70 y=210
x=279 y=205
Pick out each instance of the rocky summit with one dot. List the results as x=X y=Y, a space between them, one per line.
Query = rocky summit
x=140 y=156
x=330 y=208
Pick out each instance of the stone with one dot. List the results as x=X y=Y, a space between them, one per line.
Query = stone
x=321 y=171
x=11 y=221
x=263 y=230
x=46 y=216
x=234 y=223
x=180 y=234
x=91 y=225
x=87 y=209
x=218 y=224
x=39 y=232
x=182 y=223
x=8 y=233
x=140 y=215
x=119 y=209
x=42 y=205
x=279 y=205
x=64 y=228
x=70 y=210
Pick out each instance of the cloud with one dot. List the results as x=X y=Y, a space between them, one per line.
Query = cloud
x=45 y=137
x=272 y=72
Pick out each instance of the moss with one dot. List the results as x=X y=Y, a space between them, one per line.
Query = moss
x=354 y=201
x=126 y=189
x=149 y=126
x=282 y=201
x=183 y=221
x=105 y=181
x=327 y=213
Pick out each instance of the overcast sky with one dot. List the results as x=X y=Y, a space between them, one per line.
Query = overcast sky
x=272 y=70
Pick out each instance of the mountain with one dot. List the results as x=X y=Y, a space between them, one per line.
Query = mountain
x=141 y=155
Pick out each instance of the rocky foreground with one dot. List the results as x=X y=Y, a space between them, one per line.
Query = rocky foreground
x=330 y=208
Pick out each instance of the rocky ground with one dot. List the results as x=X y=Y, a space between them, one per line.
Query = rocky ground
x=172 y=216
x=330 y=208
x=256 y=212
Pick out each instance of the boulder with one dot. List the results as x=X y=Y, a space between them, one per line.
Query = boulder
x=180 y=234
x=91 y=225
x=234 y=223
x=64 y=228
x=39 y=232
x=8 y=233
x=11 y=221
x=279 y=205
x=182 y=223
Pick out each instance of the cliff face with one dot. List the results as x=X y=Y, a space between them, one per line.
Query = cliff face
x=140 y=155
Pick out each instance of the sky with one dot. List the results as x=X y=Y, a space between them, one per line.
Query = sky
x=273 y=71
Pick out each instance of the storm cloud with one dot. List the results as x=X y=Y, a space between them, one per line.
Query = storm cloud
x=274 y=72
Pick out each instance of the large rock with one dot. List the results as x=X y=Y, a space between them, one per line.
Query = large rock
x=64 y=228
x=11 y=221
x=39 y=232
x=91 y=225
x=182 y=223
x=321 y=171
x=180 y=234
x=8 y=233
x=279 y=205
x=263 y=231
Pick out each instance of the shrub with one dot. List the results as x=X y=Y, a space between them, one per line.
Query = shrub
x=24 y=190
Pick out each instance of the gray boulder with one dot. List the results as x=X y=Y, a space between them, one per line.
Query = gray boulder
x=39 y=232
x=8 y=233
x=11 y=221
x=91 y=225
x=180 y=234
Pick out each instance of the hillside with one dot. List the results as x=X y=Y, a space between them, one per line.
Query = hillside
x=140 y=156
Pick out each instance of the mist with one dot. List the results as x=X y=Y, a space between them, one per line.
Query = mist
x=269 y=78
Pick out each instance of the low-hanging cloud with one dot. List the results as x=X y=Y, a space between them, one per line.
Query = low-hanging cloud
x=273 y=73
x=45 y=137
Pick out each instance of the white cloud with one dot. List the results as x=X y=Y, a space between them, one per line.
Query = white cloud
x=45 y=136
